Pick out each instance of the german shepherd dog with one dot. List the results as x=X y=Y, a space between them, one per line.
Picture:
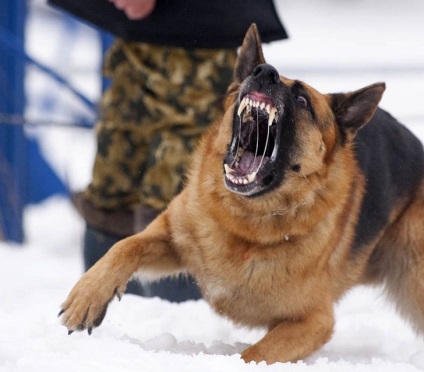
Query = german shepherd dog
x=292 y=198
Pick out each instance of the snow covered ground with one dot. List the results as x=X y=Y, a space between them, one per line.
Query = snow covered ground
x=141 y=334
x=335 y=45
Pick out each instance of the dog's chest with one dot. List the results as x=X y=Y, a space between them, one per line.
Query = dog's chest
x=247 y=285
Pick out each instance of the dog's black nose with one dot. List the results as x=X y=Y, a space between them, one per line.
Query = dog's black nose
x=266 y=73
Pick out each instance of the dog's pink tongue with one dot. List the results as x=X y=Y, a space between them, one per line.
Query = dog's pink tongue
x=249 y=162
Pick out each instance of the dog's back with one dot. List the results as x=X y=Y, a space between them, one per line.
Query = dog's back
x=392 y=161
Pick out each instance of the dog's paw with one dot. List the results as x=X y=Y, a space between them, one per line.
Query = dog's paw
x=252 y=354
x=86 y=305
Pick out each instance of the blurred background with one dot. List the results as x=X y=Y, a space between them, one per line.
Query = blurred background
x=50 y=82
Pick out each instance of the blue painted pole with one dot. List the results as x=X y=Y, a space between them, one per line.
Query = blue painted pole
x=13 y=145
x=106 y=41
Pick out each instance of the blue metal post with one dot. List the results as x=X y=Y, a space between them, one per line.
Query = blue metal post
x=106 y=41
x=13 y=146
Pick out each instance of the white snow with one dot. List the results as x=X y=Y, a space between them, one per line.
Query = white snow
x=141 y=334
x=335 y=46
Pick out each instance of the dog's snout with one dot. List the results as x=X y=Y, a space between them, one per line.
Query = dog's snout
x=266 y=73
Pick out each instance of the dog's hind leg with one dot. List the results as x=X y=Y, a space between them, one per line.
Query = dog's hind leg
x=399 y=262
x=150 y=250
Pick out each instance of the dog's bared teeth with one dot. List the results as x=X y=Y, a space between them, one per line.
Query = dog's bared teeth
x=239 y=180
x=251 y=177
x=272 y=114
x=242 y=106
x=246 y=105
x=227 y=169
x=230 y=177
x=267 y=108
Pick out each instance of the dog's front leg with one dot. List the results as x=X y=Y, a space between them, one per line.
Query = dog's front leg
x=150 y=250
x=292 y=340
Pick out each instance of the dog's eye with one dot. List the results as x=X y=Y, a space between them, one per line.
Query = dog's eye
x=301 y=100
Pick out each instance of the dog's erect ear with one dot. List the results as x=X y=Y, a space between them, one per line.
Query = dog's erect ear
x=355 y=109
x=250 y=54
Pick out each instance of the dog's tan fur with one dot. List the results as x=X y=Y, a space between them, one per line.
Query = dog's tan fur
x=279 y=260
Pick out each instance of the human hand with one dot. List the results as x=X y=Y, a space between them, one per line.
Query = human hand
x=135 y=9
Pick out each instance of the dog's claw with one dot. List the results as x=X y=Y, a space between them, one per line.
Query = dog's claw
x=85 y=307
x=118 y=295
x=60 y=313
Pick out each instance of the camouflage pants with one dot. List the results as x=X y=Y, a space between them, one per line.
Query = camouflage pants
x=160 y=101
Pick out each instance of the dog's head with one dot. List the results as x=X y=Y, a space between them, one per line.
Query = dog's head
x=284 y=127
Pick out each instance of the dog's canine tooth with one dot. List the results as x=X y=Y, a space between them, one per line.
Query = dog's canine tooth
x=242 y=106
x=251 y=177
x=272 y=114
x=267 y=108
x=227 y=169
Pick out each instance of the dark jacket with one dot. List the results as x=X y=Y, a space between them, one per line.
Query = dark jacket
x=184 y=23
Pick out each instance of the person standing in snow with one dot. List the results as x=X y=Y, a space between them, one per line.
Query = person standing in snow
x=169 y=68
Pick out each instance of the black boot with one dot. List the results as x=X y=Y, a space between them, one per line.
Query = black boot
x=176 y=289
x=179 y=289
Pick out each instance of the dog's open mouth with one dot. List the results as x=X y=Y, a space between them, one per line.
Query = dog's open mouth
x=254 y=145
